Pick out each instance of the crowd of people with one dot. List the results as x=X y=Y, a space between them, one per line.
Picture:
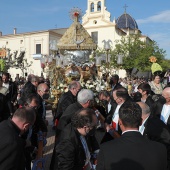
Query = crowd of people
x=129 y=128
x=22 y=117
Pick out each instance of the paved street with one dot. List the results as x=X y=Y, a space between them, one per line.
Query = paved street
x=50 y=140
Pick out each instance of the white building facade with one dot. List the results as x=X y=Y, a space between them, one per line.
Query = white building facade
x=97 y=22
x=35 y=44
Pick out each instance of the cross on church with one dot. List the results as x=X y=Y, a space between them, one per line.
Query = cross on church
x=125 y=7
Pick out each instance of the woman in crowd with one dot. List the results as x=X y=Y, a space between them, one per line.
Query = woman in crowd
x=156 y=85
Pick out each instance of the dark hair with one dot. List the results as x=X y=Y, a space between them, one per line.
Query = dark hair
x=131 y=114
x=25 y=114
x=145 y=87
x=31 y=97
x=155 y=75
x=5 y=74
x=104 y=93
x=137 y=97
x=122 y=92
x=83 y=117
x=113 y=78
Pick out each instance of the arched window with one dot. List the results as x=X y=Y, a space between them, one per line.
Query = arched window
x=99 y=6
x=92 y=7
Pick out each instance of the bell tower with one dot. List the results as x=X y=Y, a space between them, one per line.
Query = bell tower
x=95 y=5
x=96 y=10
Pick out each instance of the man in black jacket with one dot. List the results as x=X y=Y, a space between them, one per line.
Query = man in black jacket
x=131 y=151
x=83 y=101
x=11 y=144
x=145 y=90
x=67 y=98
x=29 y=88
x=120 y=96
x=73 y=152
x=162 y=107
x=154 y=129
x=11 y=95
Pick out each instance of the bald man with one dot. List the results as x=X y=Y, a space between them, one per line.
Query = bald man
x=154 y=129
x=67 y=98
x=43 y=94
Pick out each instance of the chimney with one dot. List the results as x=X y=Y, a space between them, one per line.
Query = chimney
x=0 y=33
x=15 y=31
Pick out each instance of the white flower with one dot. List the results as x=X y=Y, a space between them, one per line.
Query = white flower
x=66 y=90
x=102 y=87
x=91 y=86
x=61 y=85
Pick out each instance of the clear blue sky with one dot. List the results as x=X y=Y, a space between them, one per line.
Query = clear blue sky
x=153 y=17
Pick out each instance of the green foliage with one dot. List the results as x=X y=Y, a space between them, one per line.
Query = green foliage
x=2 y=65
x=136 y=53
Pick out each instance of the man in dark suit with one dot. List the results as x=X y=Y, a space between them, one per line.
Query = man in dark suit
x=162 y=107
x=83 y=101
x=145 y=90
x=29 y=88
x=11 y=144
x=11 y=95
x=107 y=102
x=131 y=151
x=67 y=98
x=120 y=96
x=154 y=129
x=73 y=152
x=114 y=82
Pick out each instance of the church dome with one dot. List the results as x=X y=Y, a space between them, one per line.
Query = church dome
x=125 y=21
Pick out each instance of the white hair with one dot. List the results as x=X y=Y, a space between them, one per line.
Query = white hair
x=84 y=95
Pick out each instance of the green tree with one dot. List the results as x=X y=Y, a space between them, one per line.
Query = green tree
x=136 y=53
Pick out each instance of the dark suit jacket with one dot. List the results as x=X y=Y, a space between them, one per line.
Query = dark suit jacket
x=133 y=152
x=11 y=147
x=69 y=152
x=149 y=101
x=156 y=130
x=65 y=100
x=11 y=96
x=28 y=89
x=66 y=116
x=157 y=109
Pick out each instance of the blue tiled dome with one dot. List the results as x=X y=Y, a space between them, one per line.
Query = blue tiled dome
x=126 y=21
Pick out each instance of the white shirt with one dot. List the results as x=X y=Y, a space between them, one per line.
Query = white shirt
x=6 y=85
x=165 y=113
x=115 y=117
x=129 y=131
x=109 y=107
x=142 y=127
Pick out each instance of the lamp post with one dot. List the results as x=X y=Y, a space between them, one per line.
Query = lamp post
x=119 y=60
x=107 y=48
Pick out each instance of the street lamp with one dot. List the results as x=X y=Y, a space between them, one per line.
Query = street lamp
x=107 y=48
x=119 y=59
